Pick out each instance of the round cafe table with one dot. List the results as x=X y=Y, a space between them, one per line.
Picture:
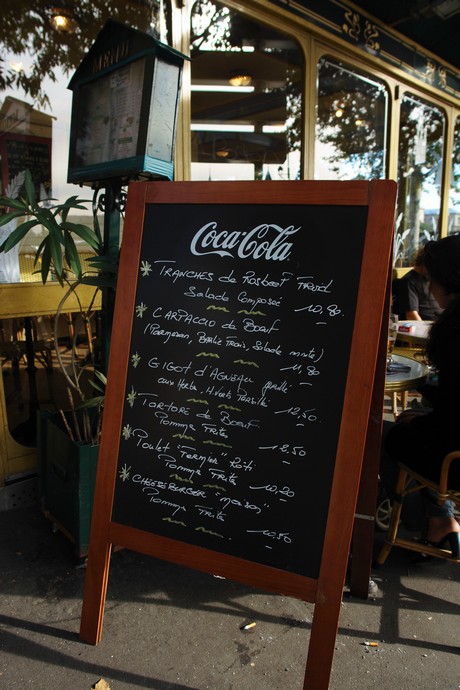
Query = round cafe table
x=404 y=380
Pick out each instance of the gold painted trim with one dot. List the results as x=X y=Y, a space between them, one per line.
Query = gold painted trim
x=34 y=299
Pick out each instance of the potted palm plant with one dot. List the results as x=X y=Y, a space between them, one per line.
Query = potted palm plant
x=67 y=439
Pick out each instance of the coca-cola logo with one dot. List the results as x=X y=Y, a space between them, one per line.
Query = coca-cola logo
x=266 y=241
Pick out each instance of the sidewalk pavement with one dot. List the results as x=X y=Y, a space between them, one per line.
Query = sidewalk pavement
x=170 y=628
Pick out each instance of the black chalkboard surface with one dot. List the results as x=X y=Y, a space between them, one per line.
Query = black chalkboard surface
x=23 y=152
x=235 y=387
x=246 y=350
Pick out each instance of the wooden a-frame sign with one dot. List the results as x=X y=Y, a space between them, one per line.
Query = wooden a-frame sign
x=246 y=339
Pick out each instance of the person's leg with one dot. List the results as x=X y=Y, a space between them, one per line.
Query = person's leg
x=441 y=519
x=413 y=513
x=404 y=442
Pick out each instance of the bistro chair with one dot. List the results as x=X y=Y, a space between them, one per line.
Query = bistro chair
x=409 y=482
x=13 y=341
x=400 y=399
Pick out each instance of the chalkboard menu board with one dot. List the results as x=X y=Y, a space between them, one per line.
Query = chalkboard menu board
x=237 y=369
x=22 y=152
x=246 y=352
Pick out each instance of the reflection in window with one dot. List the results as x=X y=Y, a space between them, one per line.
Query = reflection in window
x=351 y=121
x=454 y=193
x=35 y=103
x=38 y=58
x=37 y=61
x=41 y=40
x=419 y=177
x=246 y=98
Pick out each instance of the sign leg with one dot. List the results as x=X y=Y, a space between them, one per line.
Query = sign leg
x=97 y=575
x=323 y=637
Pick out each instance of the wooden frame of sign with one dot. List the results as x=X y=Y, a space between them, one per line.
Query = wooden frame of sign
x=243 y=356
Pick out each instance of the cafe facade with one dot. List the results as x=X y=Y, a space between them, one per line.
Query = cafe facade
x=272 y=91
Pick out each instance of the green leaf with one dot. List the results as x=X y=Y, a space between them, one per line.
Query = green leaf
x=105 y=262
x=46 y=263
x=56 y=255
x=71 y=254
x=97 y=401
x=84 y=232
x=96 y=386
x=73 y=202
x=17 y=235
x=14 y=203
x=39 y=250
x=30 y=189
x=6 y=217
x=51 y=256
x=97 y=230
x=99 y=281
x=47 y=219
x=102 y=377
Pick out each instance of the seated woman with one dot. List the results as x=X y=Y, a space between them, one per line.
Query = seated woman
x=421 y=441
x=412 y=295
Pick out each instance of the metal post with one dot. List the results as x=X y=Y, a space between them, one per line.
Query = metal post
x=111 y=202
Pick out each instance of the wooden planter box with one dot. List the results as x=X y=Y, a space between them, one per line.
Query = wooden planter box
x=67 y=475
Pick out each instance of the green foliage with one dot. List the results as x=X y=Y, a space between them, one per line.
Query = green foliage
x=57 y=251
x=98 y=400
x=58 y=254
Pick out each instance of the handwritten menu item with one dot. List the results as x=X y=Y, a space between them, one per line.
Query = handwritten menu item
x=238 y=359
x=247 y=331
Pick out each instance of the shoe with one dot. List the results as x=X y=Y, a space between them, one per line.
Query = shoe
x=452 y=539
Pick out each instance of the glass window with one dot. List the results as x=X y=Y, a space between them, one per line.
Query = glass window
x=421 y=137
x=246 y=98
x=351 y=121
x=41 y=46
x=454 y=194
x=38 y=59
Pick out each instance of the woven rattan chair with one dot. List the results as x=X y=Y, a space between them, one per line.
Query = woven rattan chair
x=409 y=482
